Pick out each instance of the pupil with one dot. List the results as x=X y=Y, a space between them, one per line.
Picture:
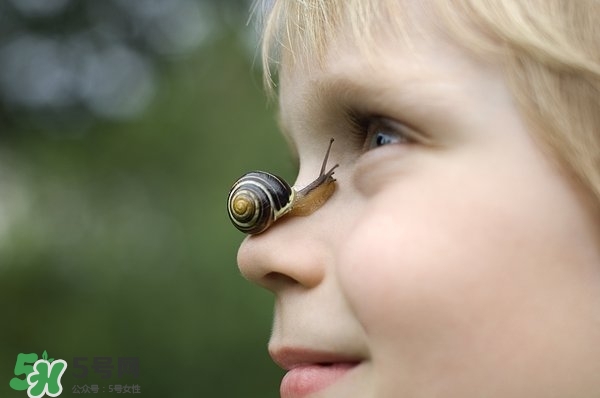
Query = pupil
x=382 y=139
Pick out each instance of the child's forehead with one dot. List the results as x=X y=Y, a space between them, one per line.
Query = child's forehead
x=301 y=32
x=353 y=36
x=308 y=37
x=346 y=70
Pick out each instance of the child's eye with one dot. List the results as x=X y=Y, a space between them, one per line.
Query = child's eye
x=373 y=131
x=382 y=132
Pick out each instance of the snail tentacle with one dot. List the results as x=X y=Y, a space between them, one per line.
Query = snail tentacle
x=323 y=177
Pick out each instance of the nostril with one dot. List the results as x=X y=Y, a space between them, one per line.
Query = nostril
x=278 y=280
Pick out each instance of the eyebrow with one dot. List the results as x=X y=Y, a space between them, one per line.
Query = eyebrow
x=343 y=91
x=401 y=89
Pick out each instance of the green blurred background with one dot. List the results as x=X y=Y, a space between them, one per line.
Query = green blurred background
x=123 y=123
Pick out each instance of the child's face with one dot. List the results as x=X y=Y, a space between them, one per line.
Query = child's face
x=454 y=259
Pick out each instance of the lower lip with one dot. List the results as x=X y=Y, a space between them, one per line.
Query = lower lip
x=307 y=379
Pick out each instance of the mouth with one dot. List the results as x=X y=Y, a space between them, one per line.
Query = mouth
x=310 y=371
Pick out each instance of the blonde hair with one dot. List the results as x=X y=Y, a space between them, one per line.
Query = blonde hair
x=550 y=51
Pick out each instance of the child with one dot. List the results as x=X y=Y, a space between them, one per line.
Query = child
x=459 y=255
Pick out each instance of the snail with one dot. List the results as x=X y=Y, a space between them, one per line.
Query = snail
x=258 y=198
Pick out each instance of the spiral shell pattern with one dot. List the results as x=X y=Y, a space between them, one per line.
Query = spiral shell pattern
x=257 y=199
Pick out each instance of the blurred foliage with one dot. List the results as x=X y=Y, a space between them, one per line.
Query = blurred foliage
x=114 y=238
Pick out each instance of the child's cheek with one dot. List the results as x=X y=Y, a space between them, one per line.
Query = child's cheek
x=459 y=283
x=419 y=268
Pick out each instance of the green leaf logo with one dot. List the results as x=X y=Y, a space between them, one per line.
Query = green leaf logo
x=45 y=355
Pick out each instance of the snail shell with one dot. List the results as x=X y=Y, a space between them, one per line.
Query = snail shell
x=258 y=198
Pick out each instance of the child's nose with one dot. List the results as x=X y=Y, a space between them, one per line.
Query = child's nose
x=293 y=252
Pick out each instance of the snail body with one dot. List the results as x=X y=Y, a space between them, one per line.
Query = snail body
x=258 y=198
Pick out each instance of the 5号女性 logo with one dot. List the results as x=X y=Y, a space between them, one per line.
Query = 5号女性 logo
x=41 y=378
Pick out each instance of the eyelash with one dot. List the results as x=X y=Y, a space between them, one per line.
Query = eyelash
x=363 y=128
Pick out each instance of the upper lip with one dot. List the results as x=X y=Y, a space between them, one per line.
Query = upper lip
x=292 y=357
